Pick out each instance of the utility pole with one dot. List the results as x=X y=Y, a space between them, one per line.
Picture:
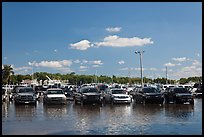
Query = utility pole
x=166 y=76
x=140 y=53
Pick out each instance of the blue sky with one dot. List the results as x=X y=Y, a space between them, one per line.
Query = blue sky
x=101 y=38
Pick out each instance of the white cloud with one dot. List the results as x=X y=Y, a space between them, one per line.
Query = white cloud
x=196 y=63
x=83 y=67
x=5 y=58
x=96 y=62
x=95 y=66
x=116 y=29
x=182 y=59
x=84 y=61
x=52 y=64
x=121 y=62
x=65 y=70
x=169 y=64
x=81 y=45
x=55 y=50
x=77 y=61
x=22 y=70
x=153 y=69
x=116 y=41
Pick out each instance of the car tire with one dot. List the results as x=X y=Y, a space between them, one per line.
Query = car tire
x=82 y=102
x=192 y=102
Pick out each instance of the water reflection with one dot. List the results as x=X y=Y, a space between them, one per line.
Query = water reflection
x=54 y=111
x=25 y=112
x=179 y=112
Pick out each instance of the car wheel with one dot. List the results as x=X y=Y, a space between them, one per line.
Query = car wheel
x=192 y=101
x=75 y=101
x=82 y=102
x=112 y=102
x=143 y=101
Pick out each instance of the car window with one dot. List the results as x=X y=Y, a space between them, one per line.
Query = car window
x=117 y=91
x=55 y=92
x=89 y=90
x=150 y=90
x=181 y=90
x=25 y=90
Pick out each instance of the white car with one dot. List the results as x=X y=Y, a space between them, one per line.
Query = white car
x=117 y=95
x=54 y=96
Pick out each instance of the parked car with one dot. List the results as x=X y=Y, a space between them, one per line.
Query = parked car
x=178 y=95
x=69 y=92
x=25 y=95
x=54 y=96
x=197 y=90
x=116 y=95
x=14 y=91
x=148 y=95
x=87 y=94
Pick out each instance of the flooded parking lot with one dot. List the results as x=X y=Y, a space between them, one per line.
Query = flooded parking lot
x=117 y=119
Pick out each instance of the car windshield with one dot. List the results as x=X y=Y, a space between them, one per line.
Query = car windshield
x=90 y=90
x=54 y=92
x=150 y=90
x=181 y=90
x=25 y=90
x=117 y=91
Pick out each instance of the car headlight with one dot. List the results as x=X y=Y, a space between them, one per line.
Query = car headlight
x=84 y=96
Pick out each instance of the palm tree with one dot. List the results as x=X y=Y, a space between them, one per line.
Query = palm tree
x=7 y=71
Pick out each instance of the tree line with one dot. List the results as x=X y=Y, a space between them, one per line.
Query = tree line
x=8 y=77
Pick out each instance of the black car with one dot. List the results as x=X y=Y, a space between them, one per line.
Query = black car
x=178 y=95
x=148 y=95
x=87 y=95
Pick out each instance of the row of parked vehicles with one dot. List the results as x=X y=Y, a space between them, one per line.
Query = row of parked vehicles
x=101 y=94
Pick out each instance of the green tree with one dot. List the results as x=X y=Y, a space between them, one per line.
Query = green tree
x=7 y=71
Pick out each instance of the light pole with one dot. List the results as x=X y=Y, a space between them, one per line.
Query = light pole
x=140 y=52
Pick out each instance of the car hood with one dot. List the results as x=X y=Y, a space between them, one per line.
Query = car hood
x=91 y=94
x=121 y=95
x=56 y=95
x=152 y=94
x=26 y=94
x=183 y=94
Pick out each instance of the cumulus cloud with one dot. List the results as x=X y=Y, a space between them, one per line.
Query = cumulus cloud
x=196 y=63
x=121 y=62
x=111 y=29
x=152 y=69
x=77 y=61
x=55 y=50
x=169 y=64
x=95 y=66
x=96 y=62
x=182 y=59
x=52 y=64
x=81 y=45
x=83 y=67
x=116 y=41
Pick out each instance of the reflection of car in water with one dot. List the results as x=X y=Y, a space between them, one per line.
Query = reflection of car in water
x=178 y=95
x=25 y=111
x=55 y=111
x=179 y=111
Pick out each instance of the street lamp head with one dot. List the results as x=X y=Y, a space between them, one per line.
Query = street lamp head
x=137 y=52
